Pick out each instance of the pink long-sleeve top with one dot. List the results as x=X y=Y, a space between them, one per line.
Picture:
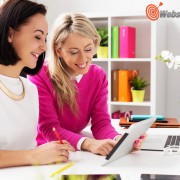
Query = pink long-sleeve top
x=92 y=102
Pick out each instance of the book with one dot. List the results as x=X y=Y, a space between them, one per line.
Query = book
x=124 y=88
x=114 y=42
x=114 y=85
x=135 y=118
x=127 y=42
x=171 y=123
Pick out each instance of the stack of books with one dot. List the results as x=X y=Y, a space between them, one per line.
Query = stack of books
x=164 y=123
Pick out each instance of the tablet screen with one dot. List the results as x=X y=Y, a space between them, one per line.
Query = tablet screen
x=91 y=177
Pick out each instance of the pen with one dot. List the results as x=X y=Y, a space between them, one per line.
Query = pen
x=62 y=169
x=57 y=135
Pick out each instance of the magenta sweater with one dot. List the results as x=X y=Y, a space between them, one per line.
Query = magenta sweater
x=92 y=101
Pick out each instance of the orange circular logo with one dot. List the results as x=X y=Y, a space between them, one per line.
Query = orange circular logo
x=152 y=11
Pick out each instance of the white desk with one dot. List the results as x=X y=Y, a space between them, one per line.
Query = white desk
x=129 y=167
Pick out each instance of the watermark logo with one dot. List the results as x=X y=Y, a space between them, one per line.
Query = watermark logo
x=152 y=11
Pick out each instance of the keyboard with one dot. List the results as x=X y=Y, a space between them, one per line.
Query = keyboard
x=172 y=140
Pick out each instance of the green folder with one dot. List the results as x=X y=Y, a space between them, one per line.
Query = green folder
x=115 y=42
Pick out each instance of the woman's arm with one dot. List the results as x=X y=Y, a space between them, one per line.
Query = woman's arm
x=101 y=122
x=52 y=152
x=49 y=113
x=14 y=158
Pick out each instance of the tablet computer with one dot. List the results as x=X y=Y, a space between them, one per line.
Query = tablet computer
x=90 y=177
x=125 y=144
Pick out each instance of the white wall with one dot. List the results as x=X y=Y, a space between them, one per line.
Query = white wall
x=56 y=7
x=173 y=89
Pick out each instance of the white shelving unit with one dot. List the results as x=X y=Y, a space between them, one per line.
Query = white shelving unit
x=150 y=41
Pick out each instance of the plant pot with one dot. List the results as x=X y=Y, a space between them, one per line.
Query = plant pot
x=138 y=95
x=102 y=52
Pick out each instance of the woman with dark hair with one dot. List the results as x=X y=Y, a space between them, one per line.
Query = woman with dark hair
x=23 y=31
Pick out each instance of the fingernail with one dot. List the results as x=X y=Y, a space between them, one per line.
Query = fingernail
x=137 y=141
x=142 y=137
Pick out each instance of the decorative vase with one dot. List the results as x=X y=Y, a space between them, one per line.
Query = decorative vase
x=138 y=95
x=102 y=52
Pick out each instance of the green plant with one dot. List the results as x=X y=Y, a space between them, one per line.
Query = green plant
x=103 y=32
x=138 y=83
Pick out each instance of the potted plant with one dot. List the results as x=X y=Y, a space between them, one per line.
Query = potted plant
x=103 y=48
x=137 y=88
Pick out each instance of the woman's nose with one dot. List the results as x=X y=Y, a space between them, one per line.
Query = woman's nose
x=43 y=46
x=82 y=56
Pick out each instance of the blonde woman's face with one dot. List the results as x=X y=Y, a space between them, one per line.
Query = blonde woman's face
x=77 y=52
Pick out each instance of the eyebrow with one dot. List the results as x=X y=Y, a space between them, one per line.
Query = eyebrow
x=88 y=44
x=40 y=31
x=85 y=46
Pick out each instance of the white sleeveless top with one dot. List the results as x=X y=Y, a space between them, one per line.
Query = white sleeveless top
x=18 y=119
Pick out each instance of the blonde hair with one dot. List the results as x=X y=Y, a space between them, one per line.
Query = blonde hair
x=64 y=25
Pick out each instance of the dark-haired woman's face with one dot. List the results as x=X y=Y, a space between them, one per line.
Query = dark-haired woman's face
x=30 y=40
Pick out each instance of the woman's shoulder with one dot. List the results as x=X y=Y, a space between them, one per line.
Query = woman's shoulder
x=29 y=86
x=27 y=83
x=44 y=70
x=42 y=74
x=96 y=69
x=95 y=74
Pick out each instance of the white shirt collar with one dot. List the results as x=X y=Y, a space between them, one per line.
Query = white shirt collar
x=78 y=77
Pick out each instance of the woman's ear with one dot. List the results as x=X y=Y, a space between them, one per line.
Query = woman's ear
x=58 y=51
x=10 y=35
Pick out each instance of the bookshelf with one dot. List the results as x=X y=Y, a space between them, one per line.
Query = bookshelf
x=150 y=41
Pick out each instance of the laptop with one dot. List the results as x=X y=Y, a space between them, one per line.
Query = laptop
x=125 y=144
x=159 y=142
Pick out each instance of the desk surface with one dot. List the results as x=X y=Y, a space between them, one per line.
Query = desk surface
x=129 y=167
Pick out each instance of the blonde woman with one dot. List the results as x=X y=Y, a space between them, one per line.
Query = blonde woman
x=72 y=91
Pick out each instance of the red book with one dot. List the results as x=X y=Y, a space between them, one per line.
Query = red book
x=127 y=41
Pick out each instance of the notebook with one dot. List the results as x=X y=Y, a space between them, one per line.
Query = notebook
x=125 y=144
x=159 y=142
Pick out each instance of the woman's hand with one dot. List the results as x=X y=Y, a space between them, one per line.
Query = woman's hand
x=102 y=147
x=52 y=152
x=118 y=137
x=138 y=143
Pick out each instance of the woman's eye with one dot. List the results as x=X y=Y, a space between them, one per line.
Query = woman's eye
x=38 y=38
x=73 y=53
x=88 y=50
